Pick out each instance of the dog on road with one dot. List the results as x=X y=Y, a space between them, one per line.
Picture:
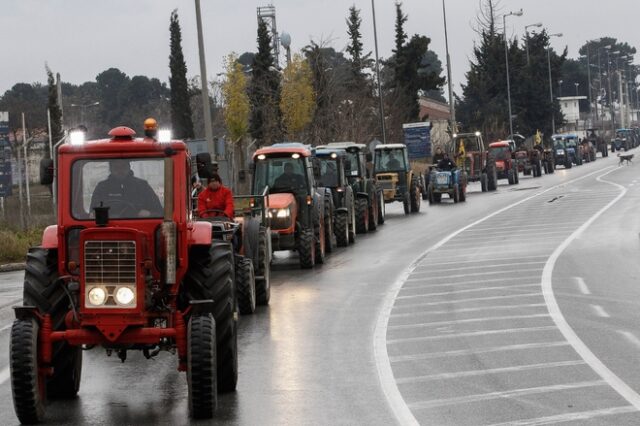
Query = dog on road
x=623 y=158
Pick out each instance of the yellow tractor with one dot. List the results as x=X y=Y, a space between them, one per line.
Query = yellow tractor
x=395 y=176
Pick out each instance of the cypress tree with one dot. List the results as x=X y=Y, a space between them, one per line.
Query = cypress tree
x=181 y=120
x=54 y=111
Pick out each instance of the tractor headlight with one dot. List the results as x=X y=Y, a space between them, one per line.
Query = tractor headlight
x=283 y=213
x=125 y=296
x=97 y=296
x=560 y=151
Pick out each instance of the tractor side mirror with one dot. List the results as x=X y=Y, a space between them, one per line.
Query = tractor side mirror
x=206 y=168
x=46 y=171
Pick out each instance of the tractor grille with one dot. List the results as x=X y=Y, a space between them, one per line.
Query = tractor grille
x=386 y=184
x=110 y=262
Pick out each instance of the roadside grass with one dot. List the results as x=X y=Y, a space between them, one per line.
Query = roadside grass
x=14 y=245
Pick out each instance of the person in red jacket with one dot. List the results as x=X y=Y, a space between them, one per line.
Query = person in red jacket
x=215 y=196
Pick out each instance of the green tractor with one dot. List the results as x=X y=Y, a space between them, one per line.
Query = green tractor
x=369 y=200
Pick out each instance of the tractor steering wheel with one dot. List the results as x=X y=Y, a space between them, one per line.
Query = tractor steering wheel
x=121 y=207
x=224 y=216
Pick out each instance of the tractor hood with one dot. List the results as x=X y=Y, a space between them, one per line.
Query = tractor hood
x=280 y=201
x=500 y=165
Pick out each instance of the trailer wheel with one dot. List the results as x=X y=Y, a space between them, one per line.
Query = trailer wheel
x=27 y=384
x=245 y=286
x=342 y=229
x=307 y=249
x=381 y=208
x=201 y=366
x=263 y=285
x=211 y=276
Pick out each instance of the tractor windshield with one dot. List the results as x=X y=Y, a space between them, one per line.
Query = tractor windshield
x=500 y=152
x=470 y=143
x=390 y=160
x=281 y=174
x=131 y=188
x=352 y=170
x=328 y=172
x=572 y=142
x=558 y=143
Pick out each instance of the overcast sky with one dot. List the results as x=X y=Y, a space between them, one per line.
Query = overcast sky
x=81 y=38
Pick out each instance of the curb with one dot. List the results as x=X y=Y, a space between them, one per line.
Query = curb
x=10 y=267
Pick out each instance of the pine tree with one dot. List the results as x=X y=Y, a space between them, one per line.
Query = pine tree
x=265 y=123
x=180 y=106
x=54 y=112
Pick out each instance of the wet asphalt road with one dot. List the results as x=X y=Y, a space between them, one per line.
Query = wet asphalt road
x=384 y=333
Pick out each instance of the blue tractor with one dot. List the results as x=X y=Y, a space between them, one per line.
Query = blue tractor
x=450 y=182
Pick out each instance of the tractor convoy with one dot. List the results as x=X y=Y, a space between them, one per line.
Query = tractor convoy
x=140 y=269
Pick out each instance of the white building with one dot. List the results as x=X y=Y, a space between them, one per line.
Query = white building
x=570 y=107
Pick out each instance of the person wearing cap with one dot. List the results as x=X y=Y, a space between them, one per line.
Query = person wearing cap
x=215 y=196
x=126 y=195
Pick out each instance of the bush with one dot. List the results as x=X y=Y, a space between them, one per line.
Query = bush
x=14 y=245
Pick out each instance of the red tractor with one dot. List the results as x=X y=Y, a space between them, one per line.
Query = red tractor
x=297 y=208
x=506 y=167
x=472 y=157
x=125 y=268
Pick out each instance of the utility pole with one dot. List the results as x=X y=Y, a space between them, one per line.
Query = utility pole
x=206 y=109
x=506 y=58
x=26 y=165
x=59 y=90
x=452 y=107
x=375 y=40
x=553 y=114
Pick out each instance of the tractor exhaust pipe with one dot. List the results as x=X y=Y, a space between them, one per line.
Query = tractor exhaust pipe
x=168 y=225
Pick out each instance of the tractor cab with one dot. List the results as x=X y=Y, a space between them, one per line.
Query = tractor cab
x=393 y=173
x=471 y=156
x=331 y=168
x=564 y=148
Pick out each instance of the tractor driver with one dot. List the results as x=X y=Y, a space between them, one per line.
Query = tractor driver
x=216 y=197
x=446 y=164
x=438 y=156
x=125 y=194
x=330 y=176
x=392 y=162
x=289 y=179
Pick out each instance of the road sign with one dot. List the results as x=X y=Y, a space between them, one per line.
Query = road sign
x=417 y=137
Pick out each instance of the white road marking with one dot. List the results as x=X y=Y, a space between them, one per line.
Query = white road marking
x=480 y=308
x=581 y=348
x=516 y=274
x=469 y=290
x=472 y=334
x=4 y=375
x=583 y=286
x=534 y=225
x=631 y=338
x=385 y=374
x=497 y=265
x=570 y=417
x=465 y=321
x=600 y=311
x=426 y=263
x=486 y=371
x=516 y=393
x=465 y=352
x=472 y=299
x=422 y=282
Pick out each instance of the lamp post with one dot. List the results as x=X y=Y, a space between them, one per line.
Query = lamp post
x=83 y=107
x=553 y=113
x=375 y=40
x=526 y=44
x=577 y=85
x=452 y=108
x=506 y=57
x=204 y=86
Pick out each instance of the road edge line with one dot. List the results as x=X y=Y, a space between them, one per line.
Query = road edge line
x=398 y=406
x=561 y=323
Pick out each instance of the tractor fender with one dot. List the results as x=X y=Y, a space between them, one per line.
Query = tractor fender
x=50 y=237
x=199 y=234
x=362 y=195
x=342 y=210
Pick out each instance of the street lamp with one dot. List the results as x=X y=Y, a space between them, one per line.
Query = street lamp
x=612 y=113
x=82 y=109
x=375 y=40
x=526 y=28
x=506 y=57
x=553 y=113
x=577 y=85
x=560 y=88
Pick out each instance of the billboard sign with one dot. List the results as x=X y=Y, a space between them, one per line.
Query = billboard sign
x=417 y=138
